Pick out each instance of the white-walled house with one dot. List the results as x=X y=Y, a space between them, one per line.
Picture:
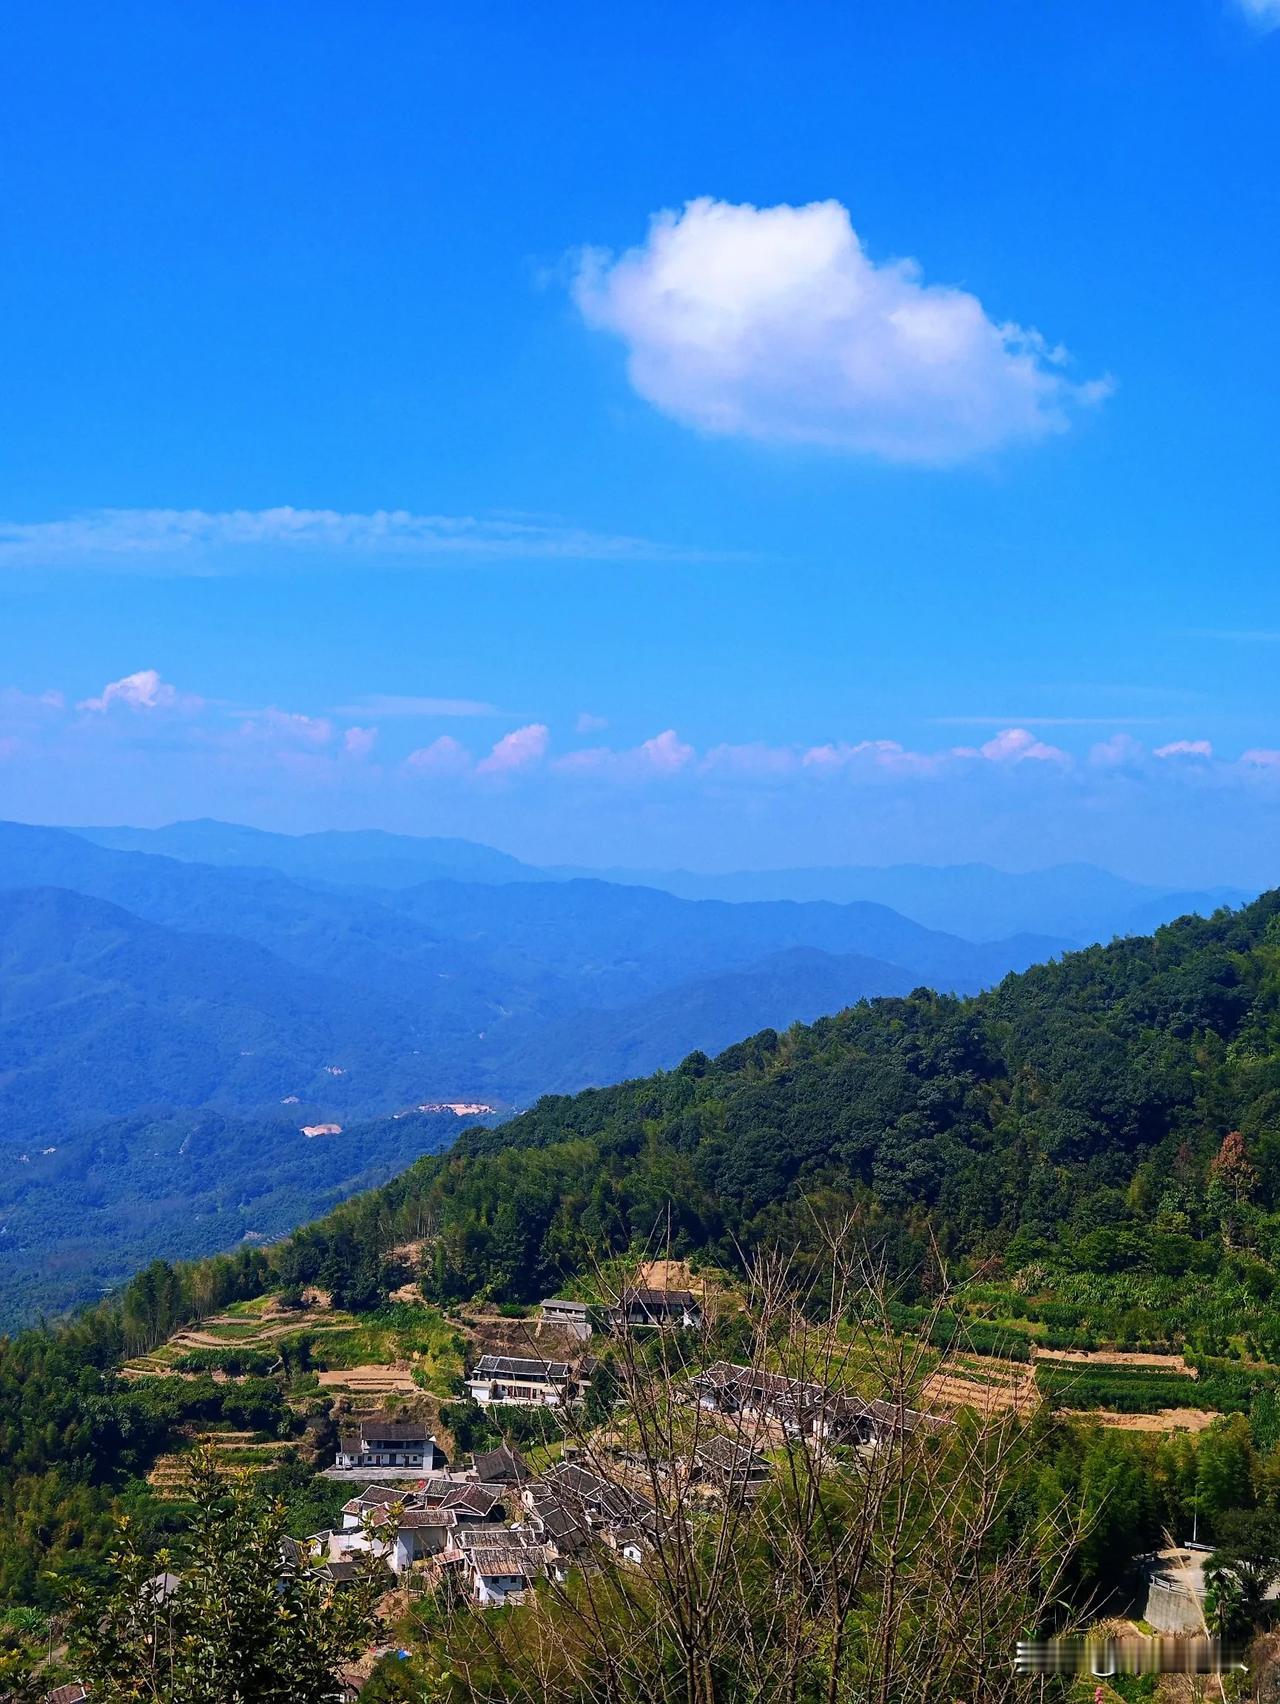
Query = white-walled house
x=498 y=1561
x=522 y=1380
x=380 y=1440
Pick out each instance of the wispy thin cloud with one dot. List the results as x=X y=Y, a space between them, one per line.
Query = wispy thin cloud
x=1185 y=748
x=394 y=704
x=1262 y=14
x=1048 y=721
x=198 y=541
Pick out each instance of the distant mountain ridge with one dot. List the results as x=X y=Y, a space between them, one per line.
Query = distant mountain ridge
x=1077 y=903
x=290 y=981
x=236 y=986
x=369 y=857
x=1080 y=903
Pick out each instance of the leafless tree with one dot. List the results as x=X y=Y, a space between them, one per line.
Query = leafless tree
x=876 y=1570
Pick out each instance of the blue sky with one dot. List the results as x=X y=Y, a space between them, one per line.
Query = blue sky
x=363 y=420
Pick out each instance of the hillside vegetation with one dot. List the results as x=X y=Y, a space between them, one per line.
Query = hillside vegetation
x=1093 y=1148
x=1106 y=1128
x=233 y=1003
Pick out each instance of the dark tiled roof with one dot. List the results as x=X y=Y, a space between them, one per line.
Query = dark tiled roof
x=373 y=1496
x=581 y=1488
x=496 y=1538
x=723 y=1453
x=495 y=1564
x=646 y=1298
x=789 y=1396
x=394 y=1431
x=559 y=1524
x=517 y=1367
x=479 y=1500
x=413 y=1520
x=501 y=1467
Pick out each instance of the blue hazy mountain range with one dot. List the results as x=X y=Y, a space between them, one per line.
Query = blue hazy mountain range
x=228 y=985
x=1080 y=903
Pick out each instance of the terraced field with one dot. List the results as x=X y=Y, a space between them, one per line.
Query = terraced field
x=235 y=1451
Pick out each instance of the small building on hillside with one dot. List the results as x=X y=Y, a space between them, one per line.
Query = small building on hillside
x=380 y=1440
x=523 y=1380
x=419 y=1533
x=574 y=1318
x=498 y=1563
x=394 y=1525
x=568 y=1533
x=592 y=1499
x=801 y=1407
x=644 y=1309
x=727 y=1466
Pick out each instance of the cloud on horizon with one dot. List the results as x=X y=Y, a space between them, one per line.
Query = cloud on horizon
x=198 y=541
x=520 y=749
x=773 y=323
x=151 y=714
x=143 y=690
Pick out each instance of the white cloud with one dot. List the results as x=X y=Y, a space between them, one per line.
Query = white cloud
x=865 y=754
x=288 y=728
x=664 y=755
x=1017 y=745
x=394 y=704
x=1120 y=751
x=445 y=756
x=519 y=749
x=589 y=724
x=1260 y=757
x=359 y=742
x=141 y=691
x=198 y=541
x=773 y=323
x=1185 y=748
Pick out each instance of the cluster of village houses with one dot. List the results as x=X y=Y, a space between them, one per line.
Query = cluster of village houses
x=495 y=1528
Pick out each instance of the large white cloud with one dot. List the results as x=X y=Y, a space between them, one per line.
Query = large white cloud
x=773 y=323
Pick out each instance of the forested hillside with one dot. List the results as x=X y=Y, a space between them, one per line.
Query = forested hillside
x=1078 y=1113
x=146 y=993
x=1094 y=1145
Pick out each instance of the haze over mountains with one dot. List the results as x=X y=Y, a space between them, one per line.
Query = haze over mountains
x=1072 y=902
x=175 y=1004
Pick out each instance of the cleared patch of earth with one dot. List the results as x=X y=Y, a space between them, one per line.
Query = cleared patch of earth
x=1117 y=1358
x=1166 y=1420
x=370 y=1380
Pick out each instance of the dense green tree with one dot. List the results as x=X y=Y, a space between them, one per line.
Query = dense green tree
x=232 y=1616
